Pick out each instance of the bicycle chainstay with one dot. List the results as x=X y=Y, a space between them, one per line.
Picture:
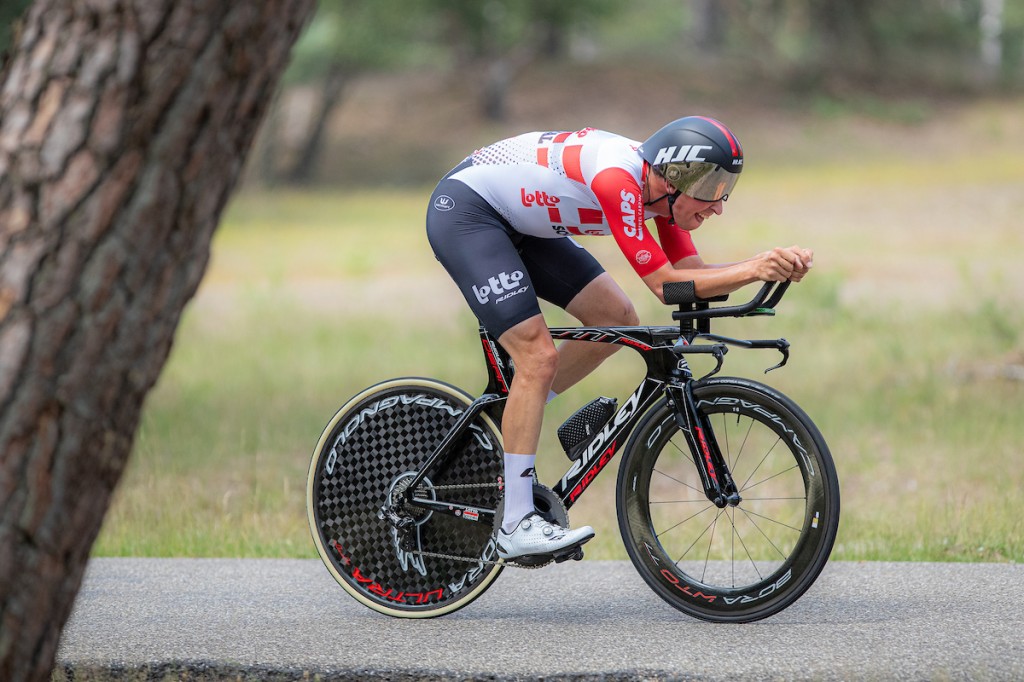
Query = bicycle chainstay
x=454 y=557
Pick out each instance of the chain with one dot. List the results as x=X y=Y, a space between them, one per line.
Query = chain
x=471 y=560
x=457 y=486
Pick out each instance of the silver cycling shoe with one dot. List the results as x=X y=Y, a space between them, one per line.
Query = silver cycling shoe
x=536 y=536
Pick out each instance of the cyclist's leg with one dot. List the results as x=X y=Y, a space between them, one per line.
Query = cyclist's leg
x=602 y=303
x=533 y=352
x=536 y=361
x=568 y=276
x=479 y=250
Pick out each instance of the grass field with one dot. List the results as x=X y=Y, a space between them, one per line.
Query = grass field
x=908 y=347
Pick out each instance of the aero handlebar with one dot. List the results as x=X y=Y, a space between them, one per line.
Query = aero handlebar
x=684 y=295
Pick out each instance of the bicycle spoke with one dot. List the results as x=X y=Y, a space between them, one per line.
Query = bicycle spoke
x=773 y=499
x=706 y=529
x=746 y=550
x=711 y=542
x=748 y=487
x=682 y=483
x=768 y=518
x=759 y=464
x=765 y=535
x=659 y=534
x=743 y=445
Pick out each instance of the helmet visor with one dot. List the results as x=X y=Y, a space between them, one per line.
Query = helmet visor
x=701 y=181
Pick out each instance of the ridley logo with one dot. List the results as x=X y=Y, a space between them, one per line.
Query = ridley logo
x=503 y=283
x=603 y=447
x=686 y=153
x=444 y=203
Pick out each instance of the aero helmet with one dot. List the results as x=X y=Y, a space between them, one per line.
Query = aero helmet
x=698 y=155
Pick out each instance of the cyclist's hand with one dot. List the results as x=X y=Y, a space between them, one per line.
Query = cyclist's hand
x=783 y=264
x=803 y=264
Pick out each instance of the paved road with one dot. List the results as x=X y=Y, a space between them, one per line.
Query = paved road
x=281 y=619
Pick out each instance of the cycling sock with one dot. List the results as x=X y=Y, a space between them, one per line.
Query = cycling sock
x=519 y=473
x=551 y=396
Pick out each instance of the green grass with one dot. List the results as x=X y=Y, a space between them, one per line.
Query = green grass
x=900 y=337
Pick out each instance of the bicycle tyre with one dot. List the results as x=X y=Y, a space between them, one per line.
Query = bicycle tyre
x=370 y=445
x=737 y=564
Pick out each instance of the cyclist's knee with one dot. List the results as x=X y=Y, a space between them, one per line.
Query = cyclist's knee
x=540 y=362
x=603 y=303
x=532 y=350
x=627 y=315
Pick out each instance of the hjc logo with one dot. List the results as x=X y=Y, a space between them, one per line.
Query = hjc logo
x=503 y=283
x=686 y=153
x=540 y=198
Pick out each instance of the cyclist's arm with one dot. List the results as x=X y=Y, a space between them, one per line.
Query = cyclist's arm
x=619 y=195
x=777 y=265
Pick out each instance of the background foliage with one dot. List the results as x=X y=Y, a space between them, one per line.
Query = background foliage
x=885 y=135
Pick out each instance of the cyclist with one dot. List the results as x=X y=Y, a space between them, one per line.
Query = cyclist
x=502 y=224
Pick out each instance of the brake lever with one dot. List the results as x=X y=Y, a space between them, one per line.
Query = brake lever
x=783 y=348
x=719 y=352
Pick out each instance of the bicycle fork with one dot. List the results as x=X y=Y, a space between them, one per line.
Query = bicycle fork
x=719 y=486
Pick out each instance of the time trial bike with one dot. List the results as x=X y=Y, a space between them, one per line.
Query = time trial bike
x=727 y=497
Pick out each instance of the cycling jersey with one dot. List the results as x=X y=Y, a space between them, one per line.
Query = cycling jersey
x=586 y=182
x=501 y=272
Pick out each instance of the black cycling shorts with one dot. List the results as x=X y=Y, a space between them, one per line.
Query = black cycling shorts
x=500 y=272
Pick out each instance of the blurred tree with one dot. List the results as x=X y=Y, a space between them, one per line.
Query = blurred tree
x=499 y=38
x=123 y=127
x=709 y=25
x=900 y=42
x=345 y=40
x=10 y=10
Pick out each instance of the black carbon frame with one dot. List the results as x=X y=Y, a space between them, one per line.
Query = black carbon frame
x=663 y=349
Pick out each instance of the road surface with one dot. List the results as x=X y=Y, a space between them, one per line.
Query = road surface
x=211 y=619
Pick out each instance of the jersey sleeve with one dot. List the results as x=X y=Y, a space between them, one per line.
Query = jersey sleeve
x=677 y=243
x=619 y=195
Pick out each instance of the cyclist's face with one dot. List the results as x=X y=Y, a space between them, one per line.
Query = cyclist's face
x=690 y=213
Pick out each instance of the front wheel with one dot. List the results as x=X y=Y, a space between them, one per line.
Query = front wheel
x=744 y=562
x=367 y=456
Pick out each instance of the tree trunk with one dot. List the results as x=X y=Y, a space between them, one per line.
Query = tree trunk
x=990 y=26
x=302 y=170
x=709 y=26
x=123 y=127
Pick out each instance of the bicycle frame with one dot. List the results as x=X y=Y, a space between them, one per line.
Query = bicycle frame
x=668 y=373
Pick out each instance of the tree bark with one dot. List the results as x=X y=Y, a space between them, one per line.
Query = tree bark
x=123 y=128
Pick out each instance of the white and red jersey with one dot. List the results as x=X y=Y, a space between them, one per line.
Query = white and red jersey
x=587 y=182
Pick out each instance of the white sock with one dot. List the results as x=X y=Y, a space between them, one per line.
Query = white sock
x=518 y=489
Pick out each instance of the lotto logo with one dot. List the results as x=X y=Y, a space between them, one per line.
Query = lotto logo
x=503 y=285
x=538 y=197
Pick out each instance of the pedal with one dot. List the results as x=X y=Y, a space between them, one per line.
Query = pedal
x=580 y=429
x=571 y=553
